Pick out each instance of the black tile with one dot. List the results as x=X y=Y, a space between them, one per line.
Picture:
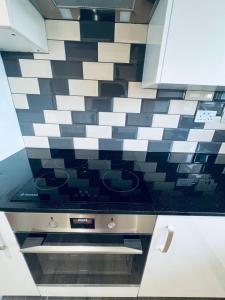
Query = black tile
x=154 y=106
x=12 y=67
x=175 y=134
x=142 y=119
x=27 y=128
x=208 y=147
x=124 y=132
x=113 y=89
x=219 y=136
x=41 y=102
x=129 y=72
x=81 y=51
x=188 y=122
x=216 y=106
x=60 y=86
x=98 y=104
x=137 y=53
x=72 y=130
x=16 y=55
x=170 y=94
x=159 y=146
x=84 y=117
x=219 y=96
x=61 y=143
x=25 y=115
x=67 y=69
x=101 y=15
x=45 y=86
x=97 y=31
x=110 y=144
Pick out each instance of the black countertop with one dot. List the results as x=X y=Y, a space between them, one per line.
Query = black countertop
x=89 y=181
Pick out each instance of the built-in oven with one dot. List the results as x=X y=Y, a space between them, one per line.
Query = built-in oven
x=84 y=249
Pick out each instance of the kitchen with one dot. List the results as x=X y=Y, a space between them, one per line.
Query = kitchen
x=112 y=159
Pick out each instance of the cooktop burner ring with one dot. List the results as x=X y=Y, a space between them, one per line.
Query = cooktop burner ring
x=49 y=188
x=135 y=177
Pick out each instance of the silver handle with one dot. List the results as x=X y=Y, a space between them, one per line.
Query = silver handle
x=82 y=250
x=170 y=232
x=2 y=246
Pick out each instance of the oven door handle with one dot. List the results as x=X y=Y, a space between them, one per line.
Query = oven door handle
x=83 y=250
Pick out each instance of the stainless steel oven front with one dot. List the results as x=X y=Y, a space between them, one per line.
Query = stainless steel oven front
x=84 y=249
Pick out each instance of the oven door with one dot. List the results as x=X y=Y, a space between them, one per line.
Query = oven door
x=73 y=258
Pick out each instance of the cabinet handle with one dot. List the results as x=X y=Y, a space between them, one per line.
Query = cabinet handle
x=164 y=248
x=2 y=246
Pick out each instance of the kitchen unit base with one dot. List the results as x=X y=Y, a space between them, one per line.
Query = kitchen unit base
x=88 y=291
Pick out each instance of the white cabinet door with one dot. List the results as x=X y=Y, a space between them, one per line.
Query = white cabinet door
x=15 y=278
x=193 y=265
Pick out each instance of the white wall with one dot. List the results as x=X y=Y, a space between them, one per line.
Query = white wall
x=10 y=136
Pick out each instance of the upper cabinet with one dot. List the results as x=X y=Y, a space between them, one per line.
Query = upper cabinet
x=186 y=45
x=22 y=28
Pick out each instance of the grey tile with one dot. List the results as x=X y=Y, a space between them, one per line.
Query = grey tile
x=111 y=145
x=157 y=106
x=170 y=94
x=159 y=146
x=142 y=119
x=59 y=86
x=98 y=104
x=81 y=51
x=219 y=136
x=134 y=155
x=67 y=69
x=12 y=67
x=72 y=130
x=26 y=128
x=189 y=168
x=188 y=122
x=86 y=154
x=25 y=115
x=175 y=134
x=45 y=86
x=38 y=153
x=41 y=102
x=16 y=55
x=180 y=157
x=99 y=164
x=124 y=132
x=84 y=117
x=61 y=143
x=212 y=105
x=208 y=147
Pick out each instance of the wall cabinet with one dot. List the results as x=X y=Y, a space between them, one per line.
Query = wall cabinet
x=193 y=266
x=15 y=278
x=186 y=45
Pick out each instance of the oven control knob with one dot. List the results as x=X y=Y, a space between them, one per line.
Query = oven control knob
x=111 y=224
x=52 y=223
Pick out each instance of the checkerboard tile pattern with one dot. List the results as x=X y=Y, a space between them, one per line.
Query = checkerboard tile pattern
x=86 y=94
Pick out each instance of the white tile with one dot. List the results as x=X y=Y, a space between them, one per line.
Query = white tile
x=114 y=52
x=165 y=121
x=46 y=130
x=146 y=133
x=222 y=149
x=83 y=87
x=131 y=33
x=135 y=90
x=95 y=131
x=130 y=105
x=20 y=101
x=135 y=145
x=63 y=30
x=56 y=51
x=181 y=107
x=24 y=85
x=215 y=124
x=112 y=119
x=98 y=71
x=200 y=135
x=70 y=103
x=199 y=95
x=184 y=147
x=35 y=68
x=85 y=143
x=35 y=142
x=57 y=117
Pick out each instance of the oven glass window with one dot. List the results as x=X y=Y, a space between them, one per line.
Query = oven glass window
x=85 y=258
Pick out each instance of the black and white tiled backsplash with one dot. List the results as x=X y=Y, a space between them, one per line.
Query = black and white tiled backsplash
x=86 y=94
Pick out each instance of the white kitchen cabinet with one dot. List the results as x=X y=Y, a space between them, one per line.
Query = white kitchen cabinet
x=186 y=45
x=193 y=265
x=22 y=28
x=15 y=278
